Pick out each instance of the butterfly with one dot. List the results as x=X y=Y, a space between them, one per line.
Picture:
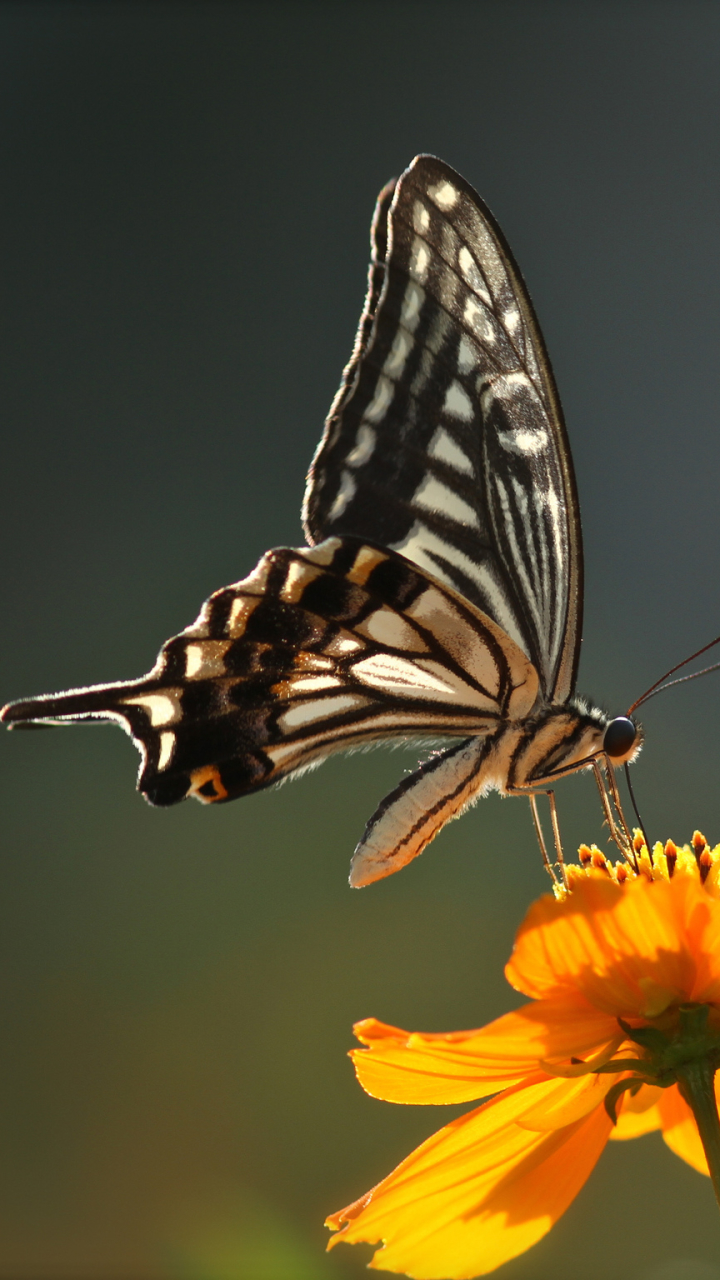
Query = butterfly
x=440 y=594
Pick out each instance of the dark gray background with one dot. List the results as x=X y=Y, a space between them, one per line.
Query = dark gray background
x=187 y=192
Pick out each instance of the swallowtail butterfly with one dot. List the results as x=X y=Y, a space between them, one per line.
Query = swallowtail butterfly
x=440 y=594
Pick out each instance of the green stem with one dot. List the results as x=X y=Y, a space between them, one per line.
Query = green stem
x=696 y=1084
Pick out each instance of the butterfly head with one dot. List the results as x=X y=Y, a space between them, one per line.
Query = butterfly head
x=622 y=740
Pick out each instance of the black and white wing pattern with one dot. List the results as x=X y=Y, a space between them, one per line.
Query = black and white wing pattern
x=318 y=650
x=440 y=596
x=446 y=440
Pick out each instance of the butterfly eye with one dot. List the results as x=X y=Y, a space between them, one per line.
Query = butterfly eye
x=619 y=737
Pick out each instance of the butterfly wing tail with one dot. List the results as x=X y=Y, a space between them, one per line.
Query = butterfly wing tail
x=101 y=702
x=413 y=814
x=134 y=705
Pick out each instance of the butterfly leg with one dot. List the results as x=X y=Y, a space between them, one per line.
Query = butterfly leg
x=615 y=792
x=620 y=834
x=540 y=837
x=560 y=863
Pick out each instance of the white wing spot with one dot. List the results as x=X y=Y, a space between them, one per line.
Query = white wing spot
x=162 y=708
x=305 y=661
x=477 y=318
x=399 y=352
x=505 y=386
x=458 y=402
x=437 y=497
x=511 y=319
x=420 y=260
x=367 y=559
x=527 y=442
x=380 y=402
x=205 y=661
x=344 y=495
x=364 y=446
x=445 y=195
x=239 y=615
x=472 y=275
x=167 y=746
x=421 y=216
x=312 y=684
x=298 y=577
x=467 y=355
x=343 y=645
x=412 y=305
x=444 y=448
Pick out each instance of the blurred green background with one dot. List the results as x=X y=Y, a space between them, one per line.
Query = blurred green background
x=187 y=192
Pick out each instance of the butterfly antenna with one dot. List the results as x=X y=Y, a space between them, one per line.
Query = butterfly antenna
x=659 y=686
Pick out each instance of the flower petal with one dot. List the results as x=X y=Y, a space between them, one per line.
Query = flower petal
x=562 y=1101
x=476 y=1194
x=630 y=949
x=639 y=1114
x=680 y=1130
x=400 y=1066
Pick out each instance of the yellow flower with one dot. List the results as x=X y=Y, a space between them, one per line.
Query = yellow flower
x=623 y=971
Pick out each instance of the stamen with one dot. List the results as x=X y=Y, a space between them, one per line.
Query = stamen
x=671 y=854
x=699 y=845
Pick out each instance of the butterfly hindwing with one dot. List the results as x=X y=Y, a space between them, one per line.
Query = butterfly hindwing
x=446 y=440
x=318 y=650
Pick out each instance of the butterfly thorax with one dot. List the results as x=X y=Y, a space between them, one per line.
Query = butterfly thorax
x=554 y=740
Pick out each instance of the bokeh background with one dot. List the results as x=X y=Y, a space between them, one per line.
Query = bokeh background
x=187 y=192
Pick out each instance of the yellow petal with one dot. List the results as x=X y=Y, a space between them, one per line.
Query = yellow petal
x=680 y=1130
x=630 y=949
x=400 y=1066
x=476 y=1194
x=639 y=1114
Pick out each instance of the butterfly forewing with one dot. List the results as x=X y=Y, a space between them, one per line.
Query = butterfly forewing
x=446 y=440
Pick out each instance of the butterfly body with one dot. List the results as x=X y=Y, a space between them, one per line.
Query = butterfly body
x=440 y=596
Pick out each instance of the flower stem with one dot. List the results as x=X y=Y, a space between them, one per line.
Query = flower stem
x=696 y=1084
